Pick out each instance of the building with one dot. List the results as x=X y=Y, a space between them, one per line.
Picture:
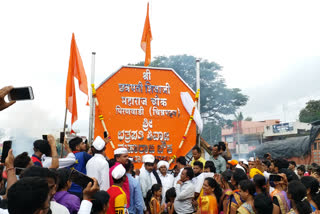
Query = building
x=245 y=136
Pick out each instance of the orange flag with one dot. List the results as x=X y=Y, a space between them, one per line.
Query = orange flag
x=146 y=39
x=76 y=70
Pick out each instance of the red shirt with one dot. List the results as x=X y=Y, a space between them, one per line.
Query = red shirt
x=117 y=201
x=125 y=185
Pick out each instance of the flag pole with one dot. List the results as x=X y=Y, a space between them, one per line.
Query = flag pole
x=64 y=130
x=92 y=102
x=198 y=90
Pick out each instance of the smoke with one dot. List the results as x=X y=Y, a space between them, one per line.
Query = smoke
x=23 y=123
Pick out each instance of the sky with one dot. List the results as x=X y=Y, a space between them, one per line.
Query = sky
x=268 y=49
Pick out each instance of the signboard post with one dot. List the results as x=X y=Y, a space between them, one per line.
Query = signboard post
x=143 y=112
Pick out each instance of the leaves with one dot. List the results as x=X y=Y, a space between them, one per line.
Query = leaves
x=217 y=100
x=311 y=112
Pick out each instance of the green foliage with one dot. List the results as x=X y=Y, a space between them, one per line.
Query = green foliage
x=216 y=100
x=311 y=112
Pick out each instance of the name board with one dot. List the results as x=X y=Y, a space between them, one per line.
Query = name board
x=143 y=112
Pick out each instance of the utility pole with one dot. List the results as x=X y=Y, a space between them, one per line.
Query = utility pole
x=198 y=87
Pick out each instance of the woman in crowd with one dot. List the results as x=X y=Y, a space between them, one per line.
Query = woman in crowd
x=313 y=195
x=263 y=204
x=208 y=203
x=247 y=191
x=260 y=183
x=297 y=193
x=279 y=195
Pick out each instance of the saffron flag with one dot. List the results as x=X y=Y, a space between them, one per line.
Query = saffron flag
x=76 y=70
x=146 y=39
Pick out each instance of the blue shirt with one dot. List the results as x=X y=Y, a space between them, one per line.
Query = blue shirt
x=80 y=165
x=136 y=199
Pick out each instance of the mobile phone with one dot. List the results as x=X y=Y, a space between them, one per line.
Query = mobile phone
x=45 y=137
x=105 y=134
x=80 y=178
x=61 y=137
x=22 y=93
x=274 y=177
x=5 y=149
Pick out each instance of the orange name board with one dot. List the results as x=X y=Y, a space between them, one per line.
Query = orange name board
x=143 y=112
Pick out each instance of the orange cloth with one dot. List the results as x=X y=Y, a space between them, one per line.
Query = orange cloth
x=146 y=39
x=208 y=204
x=76 y=70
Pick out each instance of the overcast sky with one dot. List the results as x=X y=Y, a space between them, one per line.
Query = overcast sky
x=269 y=49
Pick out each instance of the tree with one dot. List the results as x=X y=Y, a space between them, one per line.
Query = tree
x=311 y=112
x=238 y=116
x=248 y=119
x=216 y=100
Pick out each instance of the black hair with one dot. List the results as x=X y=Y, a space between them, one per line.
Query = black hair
x=197 y=148
x=222 y=146
x=226 y=175
x=112 y=162
x=128 y=166
x=182 y=160
x=291 y=175
x=118 y=181
x=116 y=156
x=266 y=155
x=99 y=200
x=298 y=194
x=313 y=184
x=63 y=175
x=73 y=143
x=28 y=195
x=154 y=188
x=217 y=189
x=199 y=164
x=210 y=164
x=239 y=175
x=260 y=182
x=302 y=168
x=149 y=164
x=21 y=161
x=156 y=161
x=42 y=146
x=189 y=173
x=170 y=193
x=267 y=163
x=293 y=163
x=42 y=172
x=281 y=163
x=247 y=185
x=263 y=204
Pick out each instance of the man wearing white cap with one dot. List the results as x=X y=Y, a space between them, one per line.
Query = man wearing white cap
x=145 y=175
x=121 y=157
x=166 y=179
x=98 y=166
x=118 y=199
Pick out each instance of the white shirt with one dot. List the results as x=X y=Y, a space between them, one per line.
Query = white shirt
x=167 y=183
x=183 y=201
x=63 y=162
x=98 y=167
x=145 y=182
x=200 y=180
x=85 y=207
x=57 y=208
x=176 y=179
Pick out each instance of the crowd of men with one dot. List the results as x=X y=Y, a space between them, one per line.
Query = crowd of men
x=43 y=183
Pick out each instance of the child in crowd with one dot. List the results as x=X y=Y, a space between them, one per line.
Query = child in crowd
x=100 y=202
x=170 y=196
x=155 y=195
x=263 y=204
x=62 y=196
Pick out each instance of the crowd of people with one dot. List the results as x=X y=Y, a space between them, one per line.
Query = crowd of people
x=42 y=183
